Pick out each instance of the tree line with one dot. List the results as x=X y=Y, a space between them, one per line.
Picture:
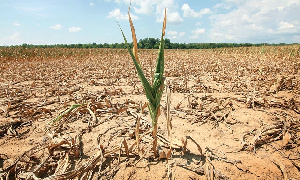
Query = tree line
x=151 y=43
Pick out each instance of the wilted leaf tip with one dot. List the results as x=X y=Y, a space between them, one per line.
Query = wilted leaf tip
x=165 y=23
x=135 y=50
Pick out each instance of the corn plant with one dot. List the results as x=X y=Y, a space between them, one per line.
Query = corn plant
x=154 y=91
x=66 y=112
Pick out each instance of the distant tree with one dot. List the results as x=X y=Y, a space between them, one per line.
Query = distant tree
x=105 y=45
x=167 y=43
x=150 y=43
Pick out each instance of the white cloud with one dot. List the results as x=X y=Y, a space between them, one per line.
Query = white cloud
x=175 y=34
x=56 y=27
x=16 y=24
x=92 y=4
x=172 y=33
x=13 y=39
x=256 y=21
x=222 y=6
x=14 y=36
x=226 y=36
x=146 y=7
x=75 y=29
x=197 y=32
x=188 y=12
x=285 y=25
x=181 y=34
x=174 y=18
x=149 y=7
x=116 y=13
x=198 y=23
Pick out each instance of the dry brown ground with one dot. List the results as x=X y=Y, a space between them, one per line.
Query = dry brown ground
x=241 y=105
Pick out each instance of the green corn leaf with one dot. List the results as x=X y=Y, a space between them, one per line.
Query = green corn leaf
x=160 y=57
x=154 y=92
x=72 y=107
x=145 y=83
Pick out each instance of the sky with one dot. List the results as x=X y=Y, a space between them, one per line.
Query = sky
x=188 y=21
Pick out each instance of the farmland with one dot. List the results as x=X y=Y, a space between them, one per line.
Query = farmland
x=241 y=107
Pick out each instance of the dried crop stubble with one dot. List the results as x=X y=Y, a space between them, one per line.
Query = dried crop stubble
x=256 y=82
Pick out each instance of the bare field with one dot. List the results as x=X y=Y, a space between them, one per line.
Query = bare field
x=235 y=114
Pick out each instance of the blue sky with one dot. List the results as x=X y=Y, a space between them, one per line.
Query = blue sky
x=188 y=21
